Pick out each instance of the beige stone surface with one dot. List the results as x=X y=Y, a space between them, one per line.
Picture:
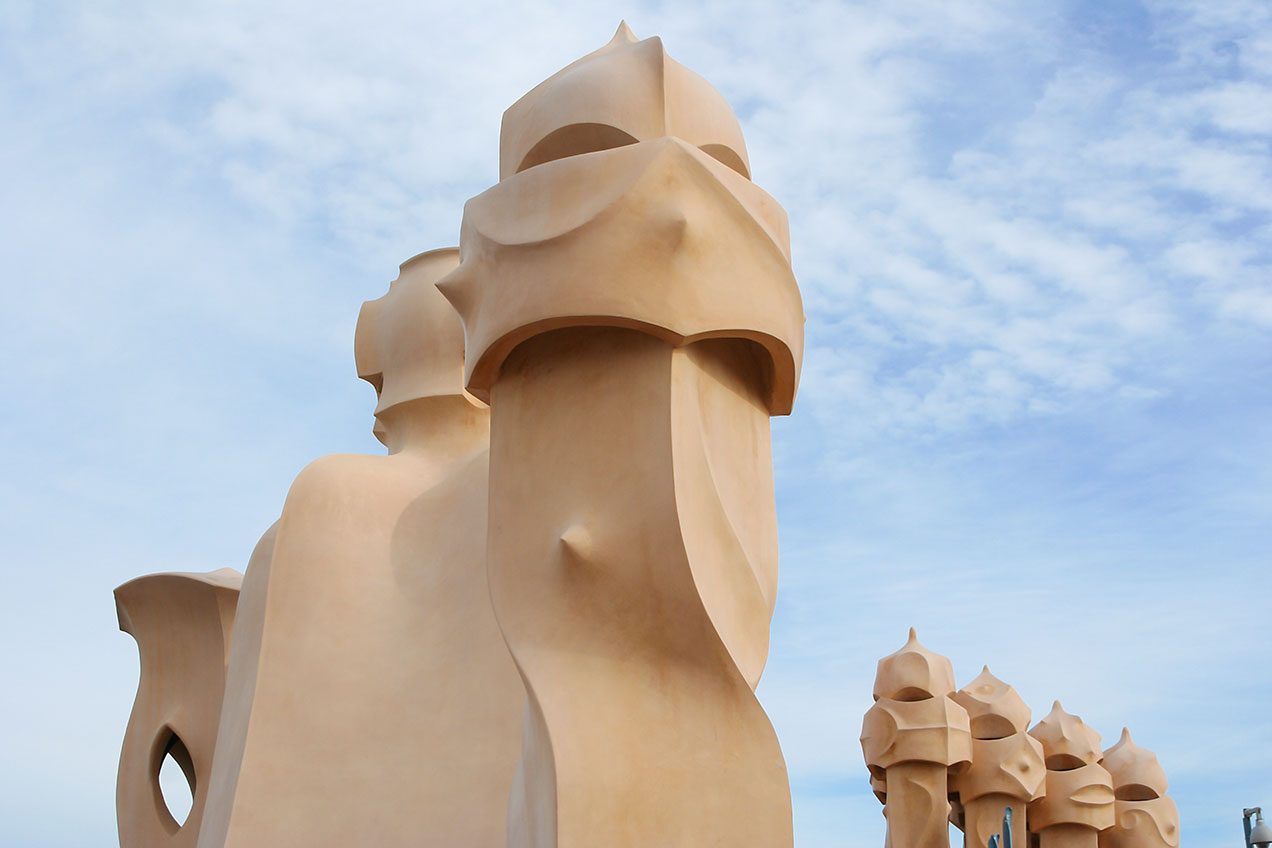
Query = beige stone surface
x=1136 y=773
x=1007 y=768
x=913 y=673
x=635 y=592
x=655 y=236
x=913 y=738
x=1078 y=802
x=371 y=700
x=1053 y=777
x=1067 y=740
x=244 y=656
x=628 y=91
x=994 y=709
x=630 y=313
x=182 y=624
x=1144 y=816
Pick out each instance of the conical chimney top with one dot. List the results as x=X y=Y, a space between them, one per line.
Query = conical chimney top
x=913 y=673
x=1067 y=743
x=1137 y=776
x=995 y=708
x=626 y=92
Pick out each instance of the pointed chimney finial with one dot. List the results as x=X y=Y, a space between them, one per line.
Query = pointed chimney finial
x=624 y=33
x=995 y=708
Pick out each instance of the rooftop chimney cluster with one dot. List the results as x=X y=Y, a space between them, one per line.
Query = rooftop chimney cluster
x=938 y=755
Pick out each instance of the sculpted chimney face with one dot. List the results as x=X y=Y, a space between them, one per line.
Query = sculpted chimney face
x=913 y=674
x=1137 y=776
x=625 y=200
x=1067 y=741
x=1079 y=791
x=410 y=342
x=628 y=91
x=1146 y=816
x=995 y=709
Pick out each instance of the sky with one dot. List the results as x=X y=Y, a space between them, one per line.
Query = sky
x=1034 y=242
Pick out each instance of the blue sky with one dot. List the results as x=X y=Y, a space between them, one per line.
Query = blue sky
x=1035 y=246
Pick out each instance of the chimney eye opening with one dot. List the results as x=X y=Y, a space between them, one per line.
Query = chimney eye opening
x=574 y=140
x=174 y=780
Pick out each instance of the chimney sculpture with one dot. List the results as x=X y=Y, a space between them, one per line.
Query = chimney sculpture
x=1145 y=816
x=1007 y=769
x=182 y=624
x=630 y=313
x=1054 y=773
x=1079 y=793
x=371 y=700
x=913 y=737
x=879 y=786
